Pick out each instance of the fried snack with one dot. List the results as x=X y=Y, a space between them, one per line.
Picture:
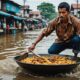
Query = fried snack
x=54 y=60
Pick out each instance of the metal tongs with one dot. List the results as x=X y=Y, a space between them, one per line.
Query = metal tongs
x=27 y=52
x=37 y=55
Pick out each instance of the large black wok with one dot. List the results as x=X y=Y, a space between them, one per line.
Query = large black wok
x=46 y=69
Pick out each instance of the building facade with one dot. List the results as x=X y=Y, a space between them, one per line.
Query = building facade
x=75 y=9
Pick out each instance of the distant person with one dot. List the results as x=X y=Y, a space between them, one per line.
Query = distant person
x=67 y=28
x=40 y=25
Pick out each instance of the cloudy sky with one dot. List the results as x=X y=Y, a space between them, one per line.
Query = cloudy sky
x=33 y=3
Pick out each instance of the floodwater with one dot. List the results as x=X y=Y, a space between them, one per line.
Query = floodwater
x=13 y=44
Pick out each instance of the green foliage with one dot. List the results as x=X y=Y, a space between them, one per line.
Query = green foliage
x=47 y=10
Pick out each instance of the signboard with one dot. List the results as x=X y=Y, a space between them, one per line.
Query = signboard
x=13 y=8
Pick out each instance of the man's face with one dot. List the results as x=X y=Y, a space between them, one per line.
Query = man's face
x=63 y=13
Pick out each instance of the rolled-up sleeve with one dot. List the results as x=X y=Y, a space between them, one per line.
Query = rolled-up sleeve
x=50 y=28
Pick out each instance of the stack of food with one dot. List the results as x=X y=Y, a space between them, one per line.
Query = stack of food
x=53 y=60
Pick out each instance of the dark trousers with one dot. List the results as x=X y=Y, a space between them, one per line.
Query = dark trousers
x=73 y=44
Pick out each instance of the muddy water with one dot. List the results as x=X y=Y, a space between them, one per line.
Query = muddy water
x=14 y=44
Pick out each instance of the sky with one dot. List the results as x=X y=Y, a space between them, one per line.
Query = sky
x=33 y=3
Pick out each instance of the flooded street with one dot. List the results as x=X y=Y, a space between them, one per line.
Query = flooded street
x=13 y=44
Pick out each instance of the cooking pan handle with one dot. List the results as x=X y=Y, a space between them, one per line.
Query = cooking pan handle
x=23 y=56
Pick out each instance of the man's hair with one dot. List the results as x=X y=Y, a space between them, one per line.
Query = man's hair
x=64 y=5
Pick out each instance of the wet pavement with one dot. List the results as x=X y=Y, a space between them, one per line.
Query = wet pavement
x=13 y=44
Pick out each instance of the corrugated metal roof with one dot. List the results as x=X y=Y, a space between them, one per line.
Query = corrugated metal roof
x=75 y=6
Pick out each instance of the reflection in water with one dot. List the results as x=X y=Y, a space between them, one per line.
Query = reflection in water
x=2 y=57
x=9 y=41
x=24 y=76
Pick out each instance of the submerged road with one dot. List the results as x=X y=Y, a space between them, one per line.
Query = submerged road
x=13 y=44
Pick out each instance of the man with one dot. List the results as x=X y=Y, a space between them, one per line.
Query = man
x=67 y=28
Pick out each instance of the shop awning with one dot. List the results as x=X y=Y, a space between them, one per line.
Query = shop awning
x=32 y=19
x=4 y=14
x=18 y=18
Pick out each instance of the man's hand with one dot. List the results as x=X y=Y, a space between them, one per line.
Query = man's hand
x=32 y=47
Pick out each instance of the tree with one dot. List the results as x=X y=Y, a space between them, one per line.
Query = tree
x=47 y=10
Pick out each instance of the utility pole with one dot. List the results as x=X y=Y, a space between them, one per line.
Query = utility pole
x=24 y=1
x=77 y=8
